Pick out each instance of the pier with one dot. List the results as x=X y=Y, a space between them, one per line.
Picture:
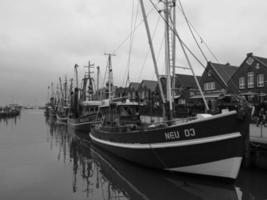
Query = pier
x=258 y=146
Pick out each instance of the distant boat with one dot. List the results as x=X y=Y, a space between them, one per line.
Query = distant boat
x=87 y=116
x=84 y=107
x=63 y=116
x=207 y=144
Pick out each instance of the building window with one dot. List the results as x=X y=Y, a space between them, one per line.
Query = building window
x=250 y=61
x=242 y=83
x=260 y=80
x=209 y=86
x=250 y=79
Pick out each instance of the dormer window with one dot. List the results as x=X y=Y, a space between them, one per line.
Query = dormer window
x=250 y=60
x=209 y=86
x=257 y=66
x=209 y=73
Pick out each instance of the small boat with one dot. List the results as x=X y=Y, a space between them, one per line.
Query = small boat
x=62 y=117
x=63 y=103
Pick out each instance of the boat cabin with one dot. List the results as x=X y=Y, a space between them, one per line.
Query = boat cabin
x=89 y=107
x=120 y=115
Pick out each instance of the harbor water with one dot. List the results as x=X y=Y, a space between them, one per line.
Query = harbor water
x=41 y=159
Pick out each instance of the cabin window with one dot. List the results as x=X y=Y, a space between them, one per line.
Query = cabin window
x=242 y=83
x=250 y=79
x=181 y=101
x=250 y=61
x=260 y=80
x=209 y=86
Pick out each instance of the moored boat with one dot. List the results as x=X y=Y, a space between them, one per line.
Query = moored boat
x=87 y=116
x=84 y=107
x=206 y=145
x=212 y=145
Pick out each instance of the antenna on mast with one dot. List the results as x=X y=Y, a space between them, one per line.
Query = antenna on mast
x=76 y=74
x=110 y=76
x=89 y=78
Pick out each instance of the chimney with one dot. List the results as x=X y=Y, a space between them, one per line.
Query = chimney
x=249 y=54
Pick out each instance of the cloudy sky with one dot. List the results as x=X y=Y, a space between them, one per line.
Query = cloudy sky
x=41 y=40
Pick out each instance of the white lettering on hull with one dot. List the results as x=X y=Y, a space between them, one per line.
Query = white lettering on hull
x=172 y=135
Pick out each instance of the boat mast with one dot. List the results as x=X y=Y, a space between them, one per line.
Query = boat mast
x=97 y=81
x=65 y=90
x=89 y=78
x=61 y=91
x=173 y=50
x=76 y=75
x=168 y=55
x=110 y=76
x=70 y=89
x=153 y=56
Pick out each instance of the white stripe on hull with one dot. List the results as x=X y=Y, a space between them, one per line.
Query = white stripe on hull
x=80 y=123
x=227 y=168
x=168 y=144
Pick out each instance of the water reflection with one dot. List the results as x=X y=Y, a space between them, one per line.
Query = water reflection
x=9 y=120
x=100 y=175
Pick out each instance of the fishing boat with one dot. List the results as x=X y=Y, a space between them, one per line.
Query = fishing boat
x=63 y=103
x=206 y=144
x=84 y=108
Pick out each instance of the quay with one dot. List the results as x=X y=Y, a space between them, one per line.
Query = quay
x=258 y=146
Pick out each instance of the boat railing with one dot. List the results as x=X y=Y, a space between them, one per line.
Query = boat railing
x=175 y=121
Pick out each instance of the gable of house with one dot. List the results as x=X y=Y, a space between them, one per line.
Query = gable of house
x=216 y=76
x=251 y=75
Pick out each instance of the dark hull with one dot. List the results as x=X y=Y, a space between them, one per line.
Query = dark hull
x=76 y=124
x=83 y=123
x=62 y=119
x=51 y=113
x=210 y=146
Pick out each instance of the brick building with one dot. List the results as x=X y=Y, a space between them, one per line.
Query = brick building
x=249 y=79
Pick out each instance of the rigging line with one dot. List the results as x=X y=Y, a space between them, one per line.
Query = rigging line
x=202 y=40
x=191 y=31
x=161 y=45
x=135 y=28
x=133 y=24
x=146 y=56
x=175 y=32
x=190 y=28
x=184 y=47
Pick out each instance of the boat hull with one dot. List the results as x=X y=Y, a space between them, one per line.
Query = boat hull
x=82 y=124
x=62 y=119
x=215 y=143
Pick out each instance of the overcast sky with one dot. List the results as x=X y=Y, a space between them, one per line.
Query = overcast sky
x=41 y=40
